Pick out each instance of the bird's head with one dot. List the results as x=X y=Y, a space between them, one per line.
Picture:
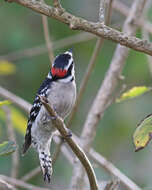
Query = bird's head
x=63 y=66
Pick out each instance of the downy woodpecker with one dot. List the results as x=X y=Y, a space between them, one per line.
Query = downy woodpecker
x=60 y=89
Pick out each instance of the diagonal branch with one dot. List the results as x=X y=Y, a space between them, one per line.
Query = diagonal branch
x=15 y=99
x=5 y=186
x=19 y=183
x=78 y=23
x=58 y=123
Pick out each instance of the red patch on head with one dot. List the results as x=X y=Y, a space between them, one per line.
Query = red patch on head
x=58 y=72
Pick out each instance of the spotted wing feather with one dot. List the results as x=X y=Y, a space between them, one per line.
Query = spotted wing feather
x=35 y=111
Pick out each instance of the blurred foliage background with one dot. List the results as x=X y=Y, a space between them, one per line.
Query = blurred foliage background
x=21 y=28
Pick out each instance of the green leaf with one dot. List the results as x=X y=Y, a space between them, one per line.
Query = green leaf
x=5 y=102
x=143 y=133
x=7 y=147
x=133 y=92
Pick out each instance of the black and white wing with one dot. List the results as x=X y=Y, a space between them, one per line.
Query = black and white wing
x=35 y=111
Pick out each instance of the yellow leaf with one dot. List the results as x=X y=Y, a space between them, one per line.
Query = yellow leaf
x=7 y=68
x=133 y=92
x=143 y=133
x=5 y=102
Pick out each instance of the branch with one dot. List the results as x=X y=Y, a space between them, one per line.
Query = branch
x=124 y=10
x=15 y=99
x=31 y=174
x=57 y=4
x=5 y=186
x=98 y=29
x=112 y=170
x=58 y=123
x=21 y=184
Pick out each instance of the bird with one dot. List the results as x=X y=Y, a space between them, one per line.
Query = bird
x=59 y=88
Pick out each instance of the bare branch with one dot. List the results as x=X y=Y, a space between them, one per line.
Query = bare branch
x=20 y=183
x=57 y=4
x=31 y=174
x=5 y=186
x=38 y=50
x=124 y=10
x=15 y=99
x=58 y=123
x=98 y=29
x=12 y=136
x=47 y=38
x=109 y=167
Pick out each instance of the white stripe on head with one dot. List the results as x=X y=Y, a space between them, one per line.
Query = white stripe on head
x=67 y=79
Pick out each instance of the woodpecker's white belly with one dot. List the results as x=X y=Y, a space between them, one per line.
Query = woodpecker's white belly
x=62 y=97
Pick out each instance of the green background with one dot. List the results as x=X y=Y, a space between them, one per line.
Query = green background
x=21 y=28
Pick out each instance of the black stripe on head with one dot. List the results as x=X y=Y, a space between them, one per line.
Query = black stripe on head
x=62 y=61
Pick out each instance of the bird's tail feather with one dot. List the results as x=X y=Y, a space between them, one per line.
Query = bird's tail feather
x=46 y=164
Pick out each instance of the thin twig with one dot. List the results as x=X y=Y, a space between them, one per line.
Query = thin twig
x=112 y=170
x=39 y=50
x=98 y=29
x=124 y=10
x=12 y=136
x=31 y=174
x=5 y=186
x=107 y=88
x=20 y=183
x=59 y=124
x=57 y=4
x=47 y=38
x=15 y=99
